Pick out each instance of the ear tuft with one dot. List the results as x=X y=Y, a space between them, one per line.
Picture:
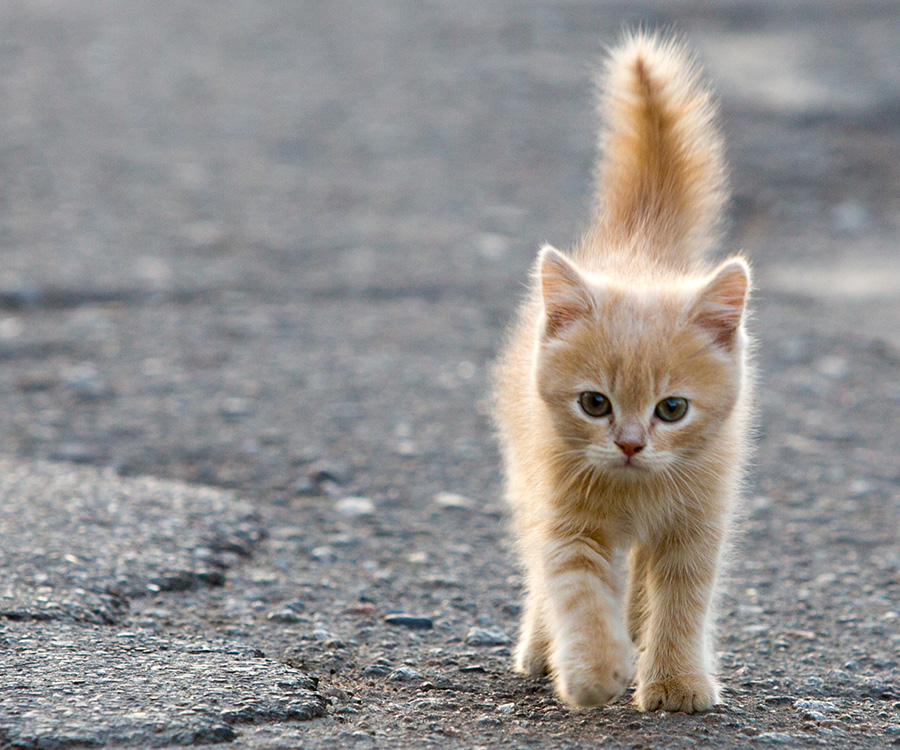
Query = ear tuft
x=720 y=306
x=566 y=297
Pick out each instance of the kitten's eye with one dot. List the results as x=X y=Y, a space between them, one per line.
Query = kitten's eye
x=672 y=409
x=594 y=404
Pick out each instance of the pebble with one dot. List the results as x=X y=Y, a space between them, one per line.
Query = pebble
x=495 y=246
x=355 y=507
x=327 y=639
x=824 y=707
x=814 y=683
x=405 y=674
x=285 y=615
x=507 y=709
x=78 y=453
x=487 y=637
x=776 y=738
x=235 y=409
x=413 y=622
x=378 y=670
x=85 y=384
x=452 y=501
x=306 y=487
x=321 y=479
x=872 y=687
x=850 y=217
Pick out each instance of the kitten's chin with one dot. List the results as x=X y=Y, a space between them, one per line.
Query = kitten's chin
x=631 y=469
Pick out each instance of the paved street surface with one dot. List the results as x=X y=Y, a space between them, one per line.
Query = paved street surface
x=257 y=259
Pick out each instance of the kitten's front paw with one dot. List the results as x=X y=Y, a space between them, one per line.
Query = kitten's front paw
x=687 y=693
x=531 y=658
x=583 y=684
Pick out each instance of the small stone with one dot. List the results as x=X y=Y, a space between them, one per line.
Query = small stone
x=306 y=487
x=778 y=700
x=413 y=622
x=235 y=409
x=487 y=637
x=377 y=670
x=285 y=615
x=489 y=721
x=322 y=472
x=859 y=487
x=363 y=608
x=406 y=447
x=323 y=554
x=832 y=366
x=271 y=436
x=327 y=639
x=77 y=453
x=86 y=384
x=355 y=507
x=776 y=738
x=493 y=246
x=850 y=217
x=507 y=709
x=872 y=687
x=814 y=683
x=36 y=381
x=405 y=674
x=825 y=707
x=452 y=501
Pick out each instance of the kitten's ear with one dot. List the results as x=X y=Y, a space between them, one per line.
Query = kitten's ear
x=566 y=297
x=720 y=305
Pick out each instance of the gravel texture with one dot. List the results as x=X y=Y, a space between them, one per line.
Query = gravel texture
x=79 y=543
x=271 y=249
x=63 y=685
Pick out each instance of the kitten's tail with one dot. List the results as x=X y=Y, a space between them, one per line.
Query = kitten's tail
x=661 y=174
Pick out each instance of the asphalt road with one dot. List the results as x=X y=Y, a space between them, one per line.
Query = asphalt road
x=256 y=261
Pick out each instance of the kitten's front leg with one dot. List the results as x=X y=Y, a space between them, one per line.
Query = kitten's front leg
x=531 y=651
x=675 y=670
x=636 y=614
x=590 y=651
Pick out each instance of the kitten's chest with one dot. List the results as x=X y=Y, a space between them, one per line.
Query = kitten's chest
x=621 y=513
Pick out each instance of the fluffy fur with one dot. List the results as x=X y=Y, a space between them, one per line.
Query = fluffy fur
x=635 y=312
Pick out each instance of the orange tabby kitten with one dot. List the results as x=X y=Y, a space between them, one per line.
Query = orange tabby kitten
x=622 y=404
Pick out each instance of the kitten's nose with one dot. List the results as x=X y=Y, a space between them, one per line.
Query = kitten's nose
x=630 y=447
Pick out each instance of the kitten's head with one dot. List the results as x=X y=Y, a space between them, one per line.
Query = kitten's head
x=640 y=377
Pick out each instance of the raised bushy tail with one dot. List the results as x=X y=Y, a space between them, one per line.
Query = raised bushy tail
x=661 y=173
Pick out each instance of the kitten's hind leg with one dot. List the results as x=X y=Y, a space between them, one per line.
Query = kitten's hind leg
x=636 y=611
x=531 y=652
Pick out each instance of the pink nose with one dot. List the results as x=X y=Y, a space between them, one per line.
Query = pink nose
x=630 y=448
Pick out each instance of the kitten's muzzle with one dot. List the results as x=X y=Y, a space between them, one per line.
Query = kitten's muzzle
x=630 y=447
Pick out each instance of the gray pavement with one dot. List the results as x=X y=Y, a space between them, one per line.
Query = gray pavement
x=257 y=259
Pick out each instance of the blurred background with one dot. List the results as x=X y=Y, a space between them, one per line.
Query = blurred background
x=242 y=238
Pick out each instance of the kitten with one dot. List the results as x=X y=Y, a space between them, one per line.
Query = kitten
x=622 y=404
